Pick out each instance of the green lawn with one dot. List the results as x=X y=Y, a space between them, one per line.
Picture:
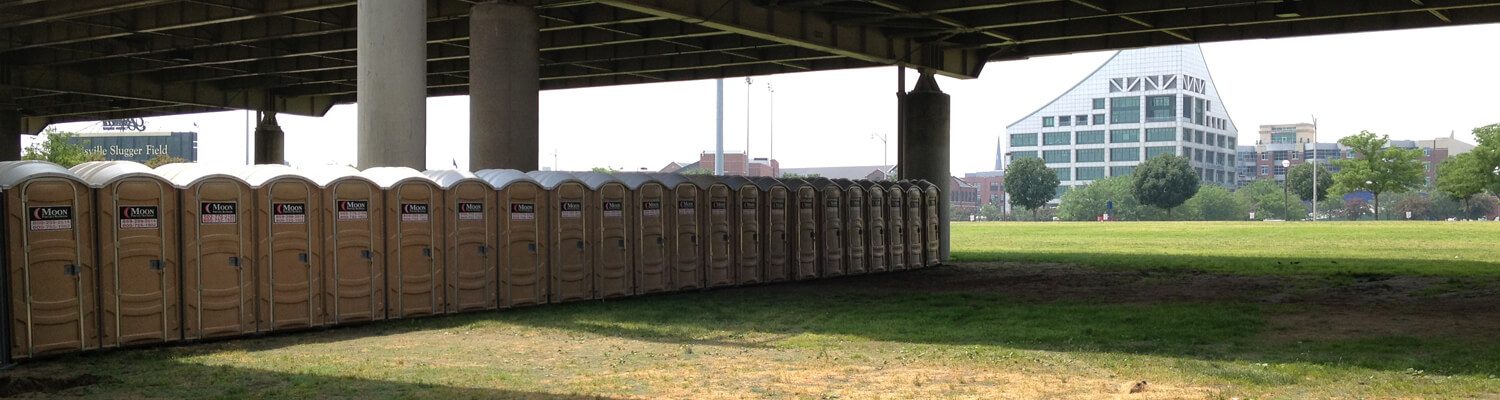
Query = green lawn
x=1046 y=310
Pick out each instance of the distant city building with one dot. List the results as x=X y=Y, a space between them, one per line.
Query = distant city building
x=139 y=146
x=1295 y=144
x=991 y=186
x=734 y=164
x=963 y=196
x=1140 y=104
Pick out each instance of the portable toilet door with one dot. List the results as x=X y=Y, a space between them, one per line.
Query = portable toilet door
x=718 y=230
x=469 y=241
x=138 y=273
x=804 y=228
x=218 y=251
x=648 y=233
x=830 y=227
x=856 y=261
x=776 y=221
x=875 y=238
x=895 y=225
x=609 y=233
x=931 y=223
x=413 y=242
x=570 y=268
x=49 y=259
x=350 y=214
x=914 y=210
x=523 y=236
x=684 y=224
x=288 y=262
x=749 y=265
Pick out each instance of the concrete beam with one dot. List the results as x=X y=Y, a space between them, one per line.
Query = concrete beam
x=182 y=93
x=925 y=149
x=504 y=87
x=10 y=126
x=270 y=141
x=392 y=85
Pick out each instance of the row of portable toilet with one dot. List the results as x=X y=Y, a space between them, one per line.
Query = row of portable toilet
x=112 y=254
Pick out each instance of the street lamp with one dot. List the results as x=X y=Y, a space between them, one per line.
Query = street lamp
x=884 y=149
x=1286 y=180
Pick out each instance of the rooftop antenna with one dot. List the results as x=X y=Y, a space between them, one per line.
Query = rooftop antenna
x=554 y=158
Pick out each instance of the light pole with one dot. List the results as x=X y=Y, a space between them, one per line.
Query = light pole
x=883 y=148
x=748 y=82
x=1315 y=169
x=771 y=95
x=1286 y=199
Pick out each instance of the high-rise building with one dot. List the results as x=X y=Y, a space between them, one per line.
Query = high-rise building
x=1140 y=104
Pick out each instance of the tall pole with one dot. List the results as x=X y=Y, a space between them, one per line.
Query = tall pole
x=885 y=149
x=771 y=95
x=1315 y=169
x=748 y=83
x=719 y=130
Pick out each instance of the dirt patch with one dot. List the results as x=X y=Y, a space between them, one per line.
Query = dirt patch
x=11 y=386
x=1341 y=323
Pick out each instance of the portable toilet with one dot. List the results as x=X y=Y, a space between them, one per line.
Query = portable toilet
x=648 y=233
x=522 y=225
x=49 y=257
x=856 y=260
x=830 y=217
x=776 y=220
x=288 y=263
x=218 y=250
x=931 y=223
x=351 y=210
x=913 y=206
x=570 y=267
x=748 y=219
x=135 y=212
x=718 y=230
x=609 y=233
x=895 y=225
x=413 y=241
x=875 y=229
x=804 y=228
x=683 y=227
x=469 y=241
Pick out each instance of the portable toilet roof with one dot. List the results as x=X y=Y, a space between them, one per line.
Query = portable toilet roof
x=501 y=178
x=821 y=183
x=551 y=179
x=324 y=175
x=101 y=173
x=389 y=177
x=672 y=180
x=868 y=184
x=704 y=181
x=257 y=175
x=845 y=183
x=595 y=180
x=12 y=173
x=186 y=174
x=906 y=185
x=736 y=182
x=446 y=178
x=795 y=183
x=634 y=180
x=766 y=182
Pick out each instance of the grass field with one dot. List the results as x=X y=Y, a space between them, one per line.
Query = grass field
x=1045 y=310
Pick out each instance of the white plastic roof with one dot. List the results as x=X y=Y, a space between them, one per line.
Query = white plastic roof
x=634 y=180
x=672 y=180
x=500 y=178
x=186 y=174
x=446 y=178
x=257 y=175
x=100 y=173
x=550 y=179
x=12 y=173
x=389 y=177
x=325 y=175
x=595 y=180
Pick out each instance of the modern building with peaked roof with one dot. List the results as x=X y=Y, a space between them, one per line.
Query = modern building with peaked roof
x=1140 y=104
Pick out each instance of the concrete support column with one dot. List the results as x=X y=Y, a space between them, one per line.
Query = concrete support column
x=392 y=83
x=10 y=127
x=924 y=150
x=270 y=140
x=504 y=83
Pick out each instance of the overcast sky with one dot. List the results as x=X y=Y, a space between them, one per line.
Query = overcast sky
x=1413 y=84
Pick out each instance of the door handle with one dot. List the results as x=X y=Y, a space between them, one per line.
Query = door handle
x=155 y=265
x=580 y=245
x=620 y=242
x=71 y=270
x=531 y=246
x=367 y=254
x=234 y=261
x=659 y=242
x=484 y=251
x=427 y=251
x=303 y=257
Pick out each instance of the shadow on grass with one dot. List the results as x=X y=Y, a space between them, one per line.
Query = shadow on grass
x=1284 y=264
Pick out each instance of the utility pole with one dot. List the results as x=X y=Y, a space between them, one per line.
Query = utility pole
x=1315 y=169
x=884 y=149
x=748 y=83
x=771 y=94
x=719 y=129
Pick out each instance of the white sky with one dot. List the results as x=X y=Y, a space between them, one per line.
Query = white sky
x=1413 y=84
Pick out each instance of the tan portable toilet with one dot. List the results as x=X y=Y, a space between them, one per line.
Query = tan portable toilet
x=804 y=228
x=895 y=225
x=718 y=232
x=469 y=241
x=914 y=210
x=683 y=228
x=570 y=268
x=875 y=229
x=218 y=250
x=49 y=260
x=289 y=267
x=648 y=233
x=413 y=242
x=522 y=227
x=748 y=221
x=136 y=213
x=830 y=216
x=856 y=259
x=609 y=233
x=931 y=223
x=776 y=223
x=351 y=212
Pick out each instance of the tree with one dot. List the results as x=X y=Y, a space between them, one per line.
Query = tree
x=1419 y=206
x=1379 y=168
x=1487 y=156
x=1088 y=202
x=59 y=149
x=1461 y=178
x=1267 y=199
x=989 y=212
x=1164 y=181
x=163 y=159
x=1300 y=180
x=1215 y=203
x=1355 y=208
x=604 y=170
x=1030 y=183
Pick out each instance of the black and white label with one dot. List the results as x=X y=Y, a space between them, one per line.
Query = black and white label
x=895 y=203
x=856 y=203
x=353 y=210
x=831 y=203
x=747 y=205
x=613 y=209
x=650 y=208
x=718 y=207
x=686 y=207
x=778 y=205
x=139 y=217
x=414 y=212
x=59 y=218
x=288 y=213
x=522 y=211
x=219 y=213
x=571 y=209
x=805 y=205
x=470 y=211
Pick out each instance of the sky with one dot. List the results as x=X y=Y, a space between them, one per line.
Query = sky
x=1411 y=84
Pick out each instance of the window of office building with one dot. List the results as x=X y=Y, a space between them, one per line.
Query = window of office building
x=1125 y=154
x=1090 y=137
x=1187 y=135
x=1060 y=191
x=1063 y=174
x=1089 y=155
x=1080 y=120
x=1022 y=139
x=1098 y=104
x=1016 y=155
x=1124 y=110
x=1284 y=137
x=1198 y=155
x=1198 y=113
x=1121 y=171
x=1264 y=170
x=1089 y=173
x=1161 y=108
x=1198 y=137
x=1264 y=156
x=1048 y=122
x=1152 y=152
x=1187 y=107
x=1278 y=170
x=1056 y=138
x=1098 y=119
x=1124 y=135
x=1066 y=120
x=1056 y=156
x=1160 y=134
